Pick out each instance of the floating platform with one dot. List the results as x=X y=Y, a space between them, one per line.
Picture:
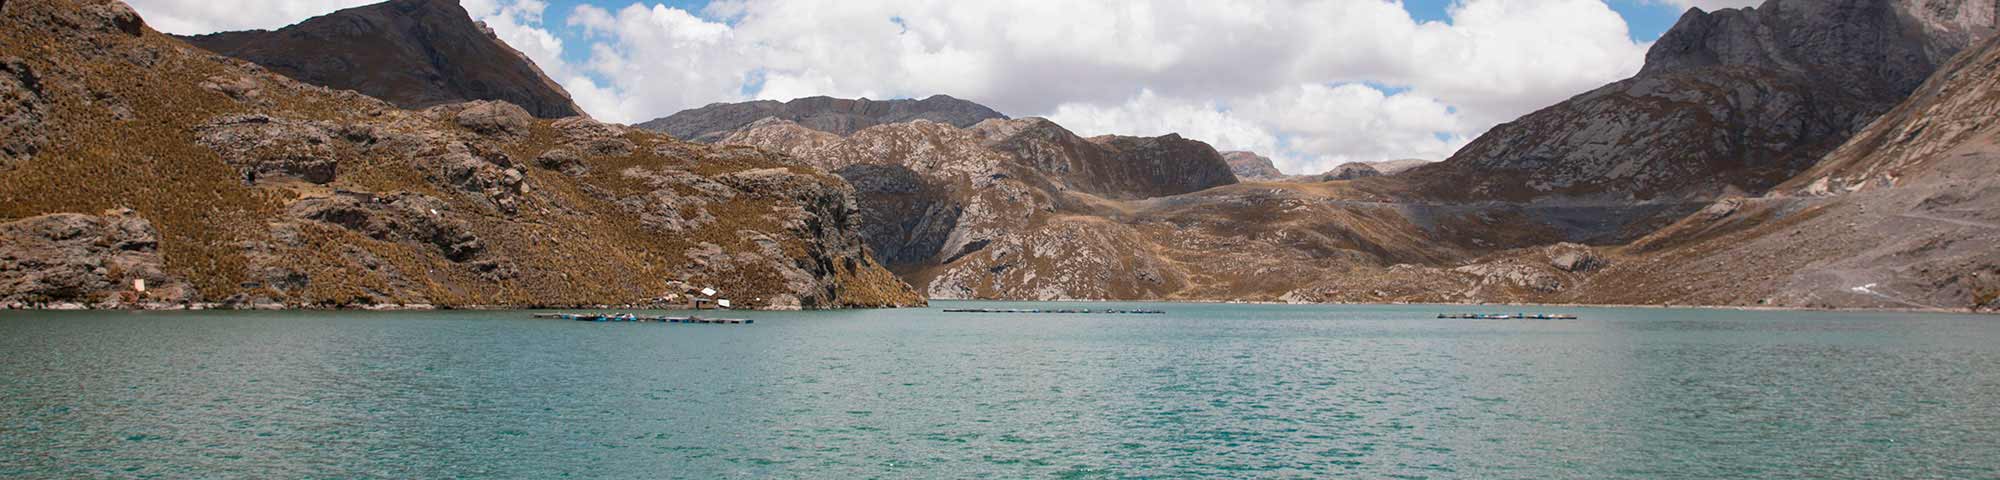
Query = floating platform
x=631 y=318
x=1508 y=316
x=1108 y=311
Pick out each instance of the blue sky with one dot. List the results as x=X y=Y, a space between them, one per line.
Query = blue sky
x=1646 y=19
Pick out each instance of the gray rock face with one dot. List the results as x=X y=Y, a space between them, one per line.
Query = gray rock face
x=1731 y=102
x=1109 y=166
x=413 y=53
x=907 y=217
x=1250 y=166
x=76 y=257
x=403 y=217
x=832 y=115
x=260 y=146
x=22 y=106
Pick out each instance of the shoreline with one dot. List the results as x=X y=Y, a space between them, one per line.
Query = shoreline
x=206 y=306
x=1771 y=308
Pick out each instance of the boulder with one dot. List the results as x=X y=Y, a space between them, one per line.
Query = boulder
x=117 y=16
x=493 y=117
x=563 y=159
x=1575 y=258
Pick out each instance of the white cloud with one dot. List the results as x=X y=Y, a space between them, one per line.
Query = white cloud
x=1243 y=75
x=193 y=17
x=1305 y=128
x=1309 y=82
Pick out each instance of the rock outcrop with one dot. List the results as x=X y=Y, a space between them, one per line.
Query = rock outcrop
x=412 y=53
x=1731 y=102
x=832 y=115
x=86 y=259
x=247 y=187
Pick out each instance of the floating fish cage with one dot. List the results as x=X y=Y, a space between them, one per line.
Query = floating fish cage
x=632 y=318
x=1508 y=316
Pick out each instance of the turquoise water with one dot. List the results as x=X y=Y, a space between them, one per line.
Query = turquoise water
x=1207 y=391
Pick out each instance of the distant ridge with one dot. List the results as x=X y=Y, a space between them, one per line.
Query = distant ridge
x=838 y=116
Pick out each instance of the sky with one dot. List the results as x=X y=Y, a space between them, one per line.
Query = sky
x=1310 y=83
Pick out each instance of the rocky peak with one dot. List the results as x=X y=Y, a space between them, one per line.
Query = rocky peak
x=1887 y=47
x=1730 y=103
x=1350 y=171
x=413 y=53
x=838 y=116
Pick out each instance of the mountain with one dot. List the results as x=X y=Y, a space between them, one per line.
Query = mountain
x=132 y=156
x=943 y=204
x=1730 y=102
x=412 y=53
x=1902 y=216
x=1249 y=166
x=833 y=115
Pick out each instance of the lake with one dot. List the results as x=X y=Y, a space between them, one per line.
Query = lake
x=1205 y=391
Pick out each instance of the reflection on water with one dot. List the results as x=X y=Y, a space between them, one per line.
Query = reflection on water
x=1220 y=391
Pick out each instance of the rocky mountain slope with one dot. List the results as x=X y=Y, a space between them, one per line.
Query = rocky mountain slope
x=1905 y=215
x=833 y=115
x=413 y=53
x=1730 y=102
x=130 y=155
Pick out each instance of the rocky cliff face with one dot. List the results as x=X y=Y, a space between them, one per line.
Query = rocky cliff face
x=1108 y=166
x=930 y=193
x=1730 y=102
x=838 y=116
x=412 y=53
x=225 y=182
x=1006 y=209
